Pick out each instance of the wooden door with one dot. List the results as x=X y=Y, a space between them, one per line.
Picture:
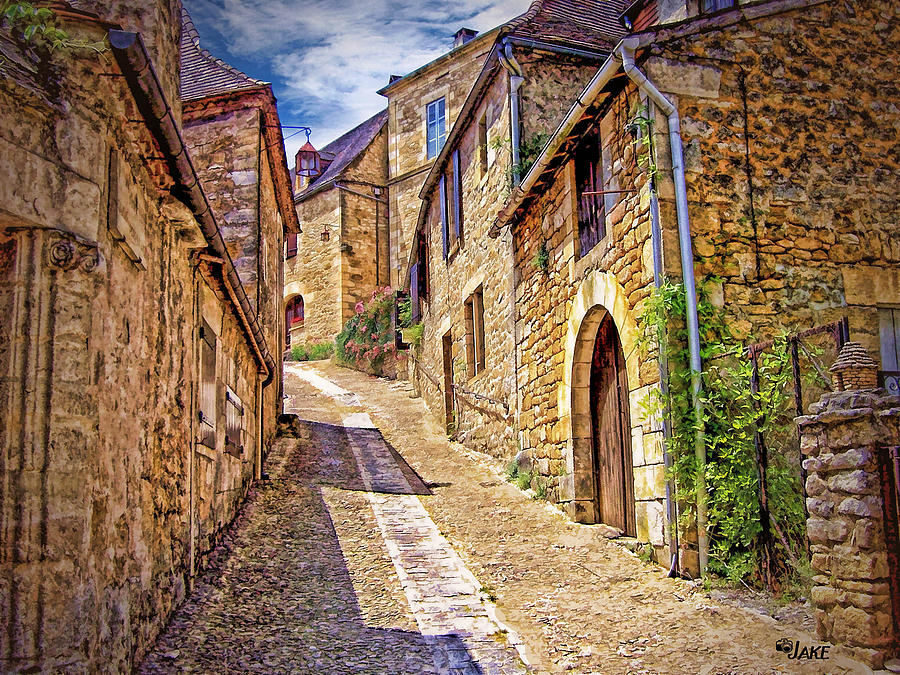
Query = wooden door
x=611 y=422
x=447 y=346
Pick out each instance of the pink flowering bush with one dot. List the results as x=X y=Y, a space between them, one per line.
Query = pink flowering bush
x=366 y=342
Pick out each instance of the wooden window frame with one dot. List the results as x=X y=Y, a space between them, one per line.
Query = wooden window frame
x=291 y=245
x=475 y=341
x=450 y=195
x=208 y=404
x=234 y=423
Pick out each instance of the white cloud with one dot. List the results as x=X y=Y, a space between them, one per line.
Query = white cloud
x=329 y=57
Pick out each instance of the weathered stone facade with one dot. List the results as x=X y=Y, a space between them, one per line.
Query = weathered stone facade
x=848 y=438
x=450 y=76
x=107 y=503
x=343 y=250
x=787 y=227
x=485 y=403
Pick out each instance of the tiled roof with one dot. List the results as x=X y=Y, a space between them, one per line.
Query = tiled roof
x=202 y=74
x=345 y=149
x=585 y=24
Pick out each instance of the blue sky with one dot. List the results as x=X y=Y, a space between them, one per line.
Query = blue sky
x=327 y=58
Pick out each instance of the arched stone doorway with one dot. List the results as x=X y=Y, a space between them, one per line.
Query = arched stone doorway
x=599 y=297
x=294 y=315
x=602 y=423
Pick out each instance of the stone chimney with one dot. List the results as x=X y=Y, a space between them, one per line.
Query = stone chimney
x=462 y=36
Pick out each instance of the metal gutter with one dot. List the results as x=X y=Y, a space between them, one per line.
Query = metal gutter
x=540 y=45
x=134 y=60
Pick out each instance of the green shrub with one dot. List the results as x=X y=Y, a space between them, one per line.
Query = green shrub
x=523 y=479
x=314 y=351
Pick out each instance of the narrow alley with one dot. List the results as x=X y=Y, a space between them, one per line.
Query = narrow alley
x=378 y=546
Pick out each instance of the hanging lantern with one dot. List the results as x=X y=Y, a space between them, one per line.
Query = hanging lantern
x=326 y=235
x=308 y=161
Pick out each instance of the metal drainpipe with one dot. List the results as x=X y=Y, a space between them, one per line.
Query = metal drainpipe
x=515 y=81
x=626 y=51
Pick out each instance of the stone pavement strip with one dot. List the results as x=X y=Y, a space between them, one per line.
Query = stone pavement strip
x=378 y=546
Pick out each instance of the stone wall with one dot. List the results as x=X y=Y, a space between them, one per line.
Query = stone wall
x=804 y=101
x=557 y=311
x=450 y=76
x=847 y=438
x=315 y=272
x=107 y=505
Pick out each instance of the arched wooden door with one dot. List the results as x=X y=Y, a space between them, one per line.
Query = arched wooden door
x=611 y=431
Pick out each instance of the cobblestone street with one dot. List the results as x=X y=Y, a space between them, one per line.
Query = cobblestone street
x=378 y=546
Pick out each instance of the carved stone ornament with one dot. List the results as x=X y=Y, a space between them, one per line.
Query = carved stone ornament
x=66 y=252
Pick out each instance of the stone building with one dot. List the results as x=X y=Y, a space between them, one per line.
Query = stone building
x=341 y=256
x=140 y=338
x=461 y=280
x=783 y=161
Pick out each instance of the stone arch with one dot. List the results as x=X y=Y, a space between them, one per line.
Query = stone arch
x=597 y=295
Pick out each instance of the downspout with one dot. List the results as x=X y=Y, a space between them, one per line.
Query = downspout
x=515 y=81
x=626 y=51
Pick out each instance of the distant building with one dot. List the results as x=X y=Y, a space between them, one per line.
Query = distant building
x=342 y=255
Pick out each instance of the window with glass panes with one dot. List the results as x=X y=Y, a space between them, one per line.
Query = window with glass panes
x=436 y=127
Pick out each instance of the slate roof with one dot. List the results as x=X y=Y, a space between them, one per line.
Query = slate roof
x=202 y=74
x=341 y=151
x=584 y=24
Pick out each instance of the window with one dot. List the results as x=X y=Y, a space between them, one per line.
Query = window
x=450 y=194
x=418 y=279
x=710 y=6
x=482 y=145
x=291 y=246
x=436 y=127
x=889 y=320
x=596 y=186
x=475 y=332
x=234 y=423
x=207 y=386
x=293 y=312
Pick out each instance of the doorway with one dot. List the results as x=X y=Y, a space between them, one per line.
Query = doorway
x=447 y=349
x=611 y=430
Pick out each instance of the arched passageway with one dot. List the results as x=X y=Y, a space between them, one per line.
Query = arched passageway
x=601 y=422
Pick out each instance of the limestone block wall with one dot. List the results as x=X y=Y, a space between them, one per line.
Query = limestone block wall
x=227 y=152
x=450 y=76
x=847 y=440
x=557 y=320
x=106 y=504
x=791 y=158
x=315 y=272
x=479 y=262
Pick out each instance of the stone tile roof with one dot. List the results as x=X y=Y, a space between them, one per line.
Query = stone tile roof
x=585 y=24
x=341 y=151
x=202 y=74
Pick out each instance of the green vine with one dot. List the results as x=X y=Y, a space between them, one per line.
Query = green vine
x=733 y=413
x=37 y=26
x=641 y=127
x=541 y=259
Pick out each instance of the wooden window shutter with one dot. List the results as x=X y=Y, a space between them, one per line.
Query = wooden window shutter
x=457 y=197
x=291 y=245
x=207 y=434
x=442 y=196
x=414 y=292
x=234 y=423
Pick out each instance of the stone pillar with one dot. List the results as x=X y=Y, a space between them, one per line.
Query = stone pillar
x=846 y=439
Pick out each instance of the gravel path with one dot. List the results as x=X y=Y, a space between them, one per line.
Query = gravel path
x=378 y=546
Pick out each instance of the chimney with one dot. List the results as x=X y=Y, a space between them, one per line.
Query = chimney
x=462 y=36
